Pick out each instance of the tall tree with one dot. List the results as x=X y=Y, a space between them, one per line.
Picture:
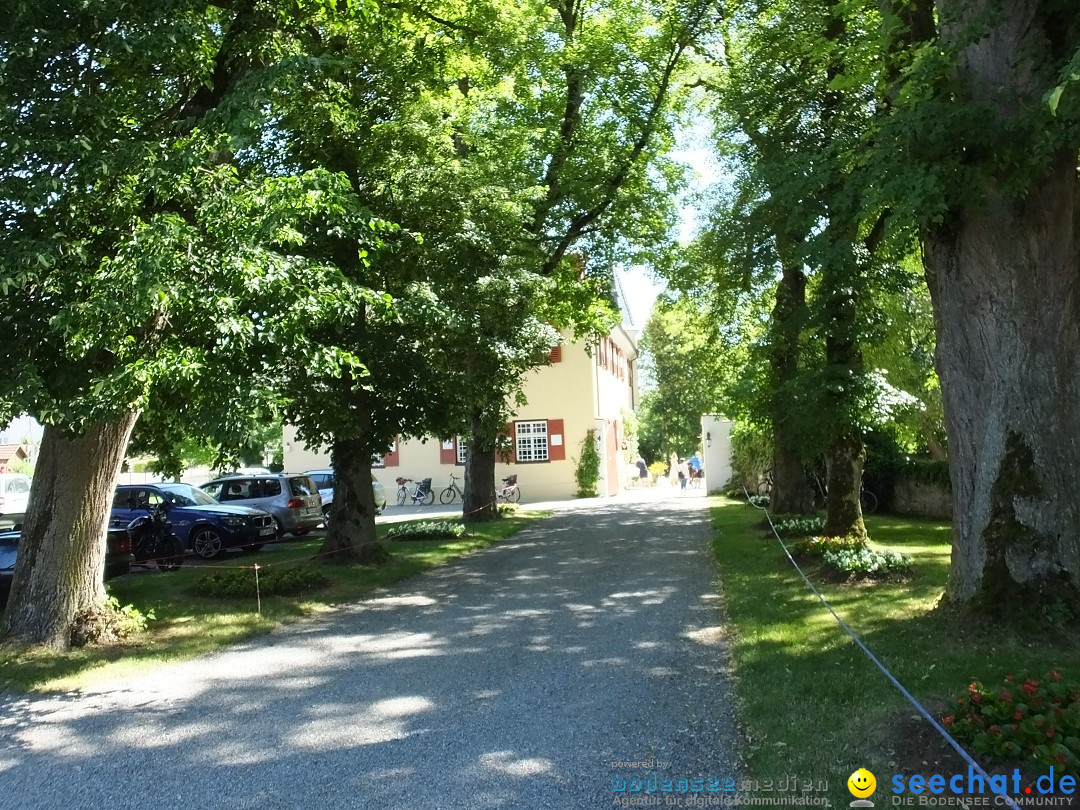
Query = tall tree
x=132 y=252
x=990 y=134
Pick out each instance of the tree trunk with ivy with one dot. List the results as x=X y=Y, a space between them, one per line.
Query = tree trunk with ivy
x=478 y=492
x=1004 y=276
x=58 y=573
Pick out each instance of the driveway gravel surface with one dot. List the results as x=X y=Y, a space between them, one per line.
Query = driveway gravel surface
x=531 y=674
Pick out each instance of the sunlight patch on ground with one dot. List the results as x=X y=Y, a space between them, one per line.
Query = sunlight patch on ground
x=504 y=762
x=707 y=636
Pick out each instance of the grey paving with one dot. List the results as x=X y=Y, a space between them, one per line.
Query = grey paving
x=512 y=679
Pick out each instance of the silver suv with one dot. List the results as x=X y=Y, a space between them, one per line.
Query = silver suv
x=292 y=500
x=324 y=480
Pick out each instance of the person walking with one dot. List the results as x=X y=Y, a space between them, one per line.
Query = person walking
x=697 y=469
x=643 y=470
x=684 y=474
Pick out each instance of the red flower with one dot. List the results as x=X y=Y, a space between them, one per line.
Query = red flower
x=1006 y=697
x=976 y=698
x=973 y=688
x=1017 y=715
x=1050 y=732
x=948 y=719
x=1055 y=675
x=1060 y=758
x=994 y=730
x=1030 y=686
x=960 y=702
x=1010 y=678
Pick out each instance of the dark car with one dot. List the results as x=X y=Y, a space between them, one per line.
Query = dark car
x=292 y=500
x=203 y=525
x=118 y=558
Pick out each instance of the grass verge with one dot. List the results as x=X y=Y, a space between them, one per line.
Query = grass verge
x=185 y=625
x=811 y=703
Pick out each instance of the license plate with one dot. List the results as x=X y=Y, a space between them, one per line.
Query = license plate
x=266 y=531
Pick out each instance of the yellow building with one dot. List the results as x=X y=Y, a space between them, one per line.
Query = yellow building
x=575 y=394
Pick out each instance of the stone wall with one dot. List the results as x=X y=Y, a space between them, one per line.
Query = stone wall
x=921 y=499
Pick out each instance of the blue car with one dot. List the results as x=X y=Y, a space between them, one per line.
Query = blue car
x=203 y=525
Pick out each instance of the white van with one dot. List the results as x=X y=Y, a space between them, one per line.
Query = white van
x=14 y=493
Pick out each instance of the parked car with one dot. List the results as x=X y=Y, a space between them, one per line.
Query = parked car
x=14 y=493
x=292 y=500
x=324 y=480
x=118 y=558
x=203 y=525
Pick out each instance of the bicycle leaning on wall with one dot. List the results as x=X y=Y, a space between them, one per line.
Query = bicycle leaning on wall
x=452 y=491
x=421 y=491
x=509 y=490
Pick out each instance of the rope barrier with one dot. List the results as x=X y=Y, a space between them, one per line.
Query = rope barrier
x=892 y=678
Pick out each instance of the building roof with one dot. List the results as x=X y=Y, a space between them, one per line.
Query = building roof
x=10 y=451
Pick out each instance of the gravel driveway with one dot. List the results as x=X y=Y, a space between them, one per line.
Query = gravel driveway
x=524 y=676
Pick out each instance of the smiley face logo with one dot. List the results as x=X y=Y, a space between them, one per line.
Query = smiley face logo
x=861 y=783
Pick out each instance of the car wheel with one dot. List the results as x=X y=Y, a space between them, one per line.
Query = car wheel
x=326 y=517
x=206 y=542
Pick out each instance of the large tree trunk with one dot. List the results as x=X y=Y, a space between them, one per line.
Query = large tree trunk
x=1005 y=287
x=351 y=537
x=791 y=493
x=58 y=574
x=843 y=468
x=479 y=486
x=1004 y=276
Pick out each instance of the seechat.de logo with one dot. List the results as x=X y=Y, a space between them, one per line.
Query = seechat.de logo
x=861 y=784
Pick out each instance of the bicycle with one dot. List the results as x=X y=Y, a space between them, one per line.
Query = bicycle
x=868 y=501
x=509 y=490
x=765 y=485
x=452 y=491
x=421 y=492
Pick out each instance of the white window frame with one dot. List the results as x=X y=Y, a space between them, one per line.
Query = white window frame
x=461 y=451
x=531 y=441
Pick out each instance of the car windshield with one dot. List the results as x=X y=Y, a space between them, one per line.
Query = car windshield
x=187 y=495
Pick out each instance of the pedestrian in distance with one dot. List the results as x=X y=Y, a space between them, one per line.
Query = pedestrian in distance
x=643 y=470
x=684 y=474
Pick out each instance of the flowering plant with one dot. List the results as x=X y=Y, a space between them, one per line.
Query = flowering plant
x=866 y=561
x=1036 y=718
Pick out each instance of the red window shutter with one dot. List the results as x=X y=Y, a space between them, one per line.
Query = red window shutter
x=393 y=458
x=448 y=455
x=556 y=452
x=509 y=429
x=556 y=355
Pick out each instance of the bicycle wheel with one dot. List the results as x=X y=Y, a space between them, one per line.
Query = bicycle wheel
x=401 y=495
x=447 y=495
x=514 y=495
x=764 y=487
x=868 y=500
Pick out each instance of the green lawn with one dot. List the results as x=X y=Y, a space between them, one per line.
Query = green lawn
x=186 y=625
x=811 y=702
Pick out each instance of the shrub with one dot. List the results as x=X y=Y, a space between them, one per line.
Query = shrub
x=108 y=623
x=505 y=510
x=819 y=545
x=800 y=526
x=587 y=473
x=426 y=530
x=760 y=501
x=1022 y=718
x=239 y=583
x=866 y=562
